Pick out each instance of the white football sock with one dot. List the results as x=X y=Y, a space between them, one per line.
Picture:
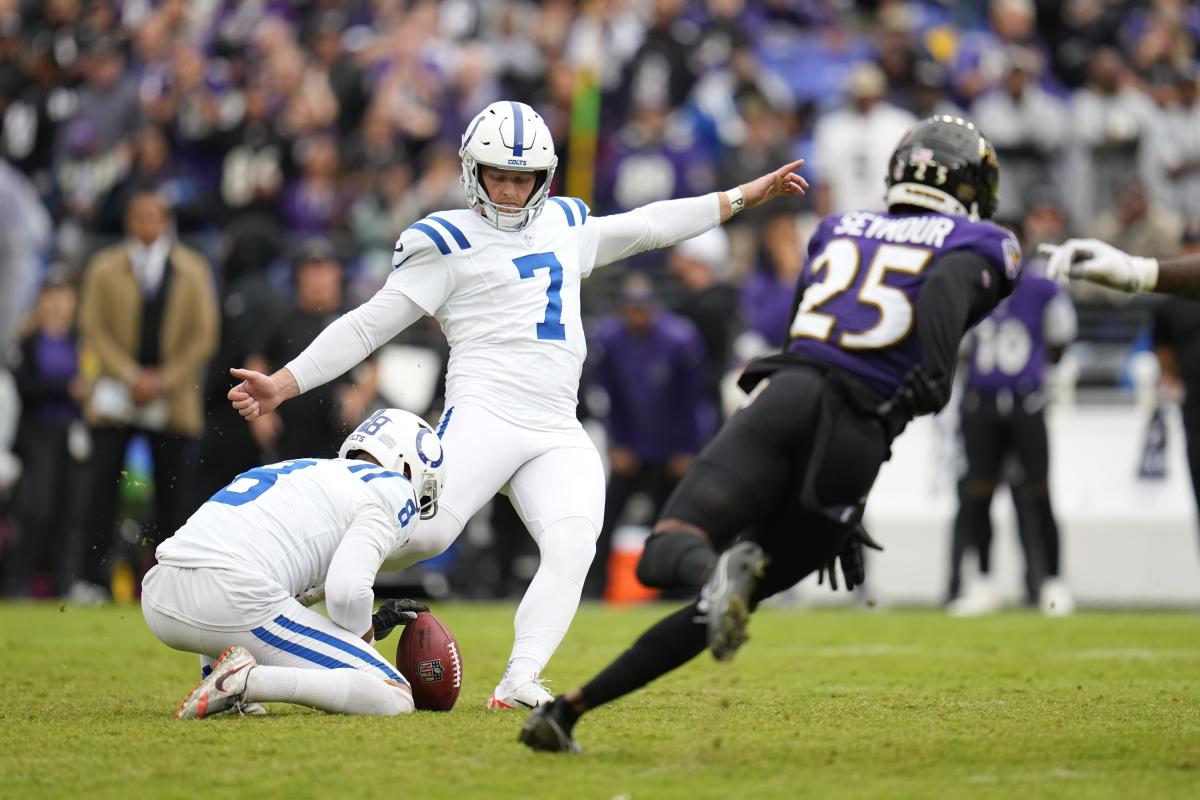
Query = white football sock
x=339 y=691
x=549 y=605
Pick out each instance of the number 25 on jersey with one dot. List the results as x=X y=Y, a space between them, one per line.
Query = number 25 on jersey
x=840 y=264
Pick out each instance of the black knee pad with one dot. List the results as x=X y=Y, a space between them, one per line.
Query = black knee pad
x=674 y=559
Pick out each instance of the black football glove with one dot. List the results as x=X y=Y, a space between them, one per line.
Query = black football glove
x=395 y=612
x=919 y=394
x=854 y=563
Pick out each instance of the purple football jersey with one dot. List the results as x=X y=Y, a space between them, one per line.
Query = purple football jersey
x=1008 y=349
x=862 y=278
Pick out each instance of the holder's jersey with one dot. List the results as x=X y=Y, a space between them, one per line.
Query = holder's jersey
x=862 y=278
x=508 y=303
x=1008 y=348
x=287 y=520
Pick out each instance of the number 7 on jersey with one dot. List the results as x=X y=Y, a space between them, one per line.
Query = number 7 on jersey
x=551 y=327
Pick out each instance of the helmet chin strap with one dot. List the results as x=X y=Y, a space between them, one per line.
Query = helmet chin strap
x=514 y=220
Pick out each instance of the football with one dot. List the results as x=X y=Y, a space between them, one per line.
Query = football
x=428 y=656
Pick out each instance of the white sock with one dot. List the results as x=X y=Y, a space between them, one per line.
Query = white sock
x=339 y=691
x=549 y=605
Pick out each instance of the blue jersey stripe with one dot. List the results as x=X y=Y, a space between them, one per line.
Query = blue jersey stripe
x=518 y=129
x=385 y=474
x=445 y=423
x=362 y=466
x=299 y=650
x=453 y=231
x=366 y=653
x=566 y=209
x=582 y=209
x=434 y=235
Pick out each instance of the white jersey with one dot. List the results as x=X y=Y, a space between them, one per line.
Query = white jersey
x=286 y=521
x=508 y=303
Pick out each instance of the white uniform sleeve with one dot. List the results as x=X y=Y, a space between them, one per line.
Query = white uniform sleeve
x=420 y=282
x=1060 y=323
x=662 y=224
x=348 y=594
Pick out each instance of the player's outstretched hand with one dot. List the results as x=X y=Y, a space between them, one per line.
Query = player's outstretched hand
x=783 y=181
x=256 y=396
x=1100 y=263
x=395 y=612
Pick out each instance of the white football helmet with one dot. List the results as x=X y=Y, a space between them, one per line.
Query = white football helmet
x=507 y=135
x=405 y=443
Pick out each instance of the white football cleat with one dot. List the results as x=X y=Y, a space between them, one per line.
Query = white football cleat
x=527 y=696
x=979 y=599
x=223 y=689
x=242 y=710
x=1055 y=598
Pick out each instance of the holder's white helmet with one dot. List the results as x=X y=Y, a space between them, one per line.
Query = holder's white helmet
x=405 y=443
x=507 y=135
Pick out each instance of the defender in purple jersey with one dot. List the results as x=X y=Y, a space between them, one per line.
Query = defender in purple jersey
x=1004 y=438
x=879 y=312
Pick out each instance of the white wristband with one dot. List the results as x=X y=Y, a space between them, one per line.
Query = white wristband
x=736 y=201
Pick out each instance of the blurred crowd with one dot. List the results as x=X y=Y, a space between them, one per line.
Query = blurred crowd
x=254 y=161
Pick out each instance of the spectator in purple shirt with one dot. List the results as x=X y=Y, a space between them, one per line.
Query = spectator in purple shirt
x=48 y=444
x=651 y=364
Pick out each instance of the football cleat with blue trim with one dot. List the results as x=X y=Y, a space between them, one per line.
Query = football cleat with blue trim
x=223 y=689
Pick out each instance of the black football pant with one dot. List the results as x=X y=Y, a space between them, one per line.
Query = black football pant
x=776 y=473
x=999 y=429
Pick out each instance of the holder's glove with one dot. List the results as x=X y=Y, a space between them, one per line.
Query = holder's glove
x=395 y=612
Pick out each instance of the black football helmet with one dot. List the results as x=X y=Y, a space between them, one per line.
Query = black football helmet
x=944 y=164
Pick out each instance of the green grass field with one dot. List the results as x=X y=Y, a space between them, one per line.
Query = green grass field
x=819 y=704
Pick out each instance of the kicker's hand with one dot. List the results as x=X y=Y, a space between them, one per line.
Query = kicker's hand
x=783 y=181
x=395 y=612
x=258 y=394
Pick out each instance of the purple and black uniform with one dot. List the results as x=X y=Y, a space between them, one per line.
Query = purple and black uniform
x=1008 y=349
x=1003 y=426
x=863 y=281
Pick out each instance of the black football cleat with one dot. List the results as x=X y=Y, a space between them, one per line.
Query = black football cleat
x=547 y=730
x=725 y=598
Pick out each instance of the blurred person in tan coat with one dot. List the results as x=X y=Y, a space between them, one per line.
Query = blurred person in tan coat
x=149 y=318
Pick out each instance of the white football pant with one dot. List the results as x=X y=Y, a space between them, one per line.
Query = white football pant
x=555 y=481
x=303 y=657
